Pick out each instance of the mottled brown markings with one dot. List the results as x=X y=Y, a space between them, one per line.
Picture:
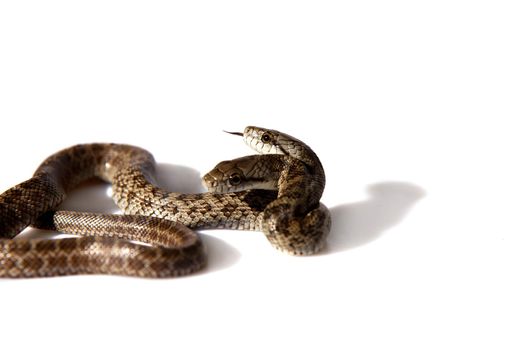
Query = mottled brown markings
x=131 y=172
x=295 y=221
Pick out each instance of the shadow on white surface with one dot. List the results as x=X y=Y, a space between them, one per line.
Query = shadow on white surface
x=356 y=224
x=91 y=196
x=179 y=178
x=221 y=255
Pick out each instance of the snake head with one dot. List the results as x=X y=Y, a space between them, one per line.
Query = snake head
x=268 y=141
x=250 y=172
x=224 y=178
x=263 y=140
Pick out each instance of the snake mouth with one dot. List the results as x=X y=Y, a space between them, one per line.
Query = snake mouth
x=210 y=183
x=213 y=185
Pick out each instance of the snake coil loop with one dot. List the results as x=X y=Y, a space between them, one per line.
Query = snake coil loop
x=277 y=193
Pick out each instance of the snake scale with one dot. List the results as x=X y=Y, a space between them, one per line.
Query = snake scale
x=276 y=192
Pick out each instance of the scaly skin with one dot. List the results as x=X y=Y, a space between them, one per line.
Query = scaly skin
x=292 y=221
x=295 y=222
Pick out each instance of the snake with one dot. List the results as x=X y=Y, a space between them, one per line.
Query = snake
x=277 y=192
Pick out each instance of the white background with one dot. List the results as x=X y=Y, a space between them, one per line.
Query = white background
x=414 y=107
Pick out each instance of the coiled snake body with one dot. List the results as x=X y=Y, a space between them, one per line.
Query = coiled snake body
x=275 y=193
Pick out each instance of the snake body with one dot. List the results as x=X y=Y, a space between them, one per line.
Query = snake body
x=286 y=208
x=295 y=222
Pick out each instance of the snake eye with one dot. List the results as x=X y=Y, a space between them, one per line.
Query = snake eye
x=266 y=138
x=234 y=180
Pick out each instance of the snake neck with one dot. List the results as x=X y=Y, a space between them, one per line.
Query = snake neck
x=299 y=188
x=296 y=222
x=295 y=148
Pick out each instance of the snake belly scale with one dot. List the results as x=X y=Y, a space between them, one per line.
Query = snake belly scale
x=280 y=198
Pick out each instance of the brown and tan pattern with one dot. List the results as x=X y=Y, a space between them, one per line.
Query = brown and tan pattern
x=295 y=222
x=287 y=210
